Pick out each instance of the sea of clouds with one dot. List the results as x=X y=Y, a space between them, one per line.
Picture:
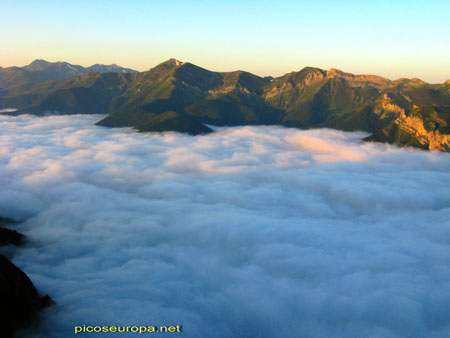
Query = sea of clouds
x=246 y=232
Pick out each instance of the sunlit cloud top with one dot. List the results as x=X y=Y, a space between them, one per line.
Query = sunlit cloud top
x=246 y=232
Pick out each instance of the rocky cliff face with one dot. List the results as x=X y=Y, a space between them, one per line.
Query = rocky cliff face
x=388 y=106
x=430 y=139
x=360 y=80
x=415 y=128
x=413 y=131
x=297 y=80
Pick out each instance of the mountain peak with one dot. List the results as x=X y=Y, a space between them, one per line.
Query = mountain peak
x=417 y=82
x=359 y=80
x=100 y=68
x=335 y=72
x=309 y=69
x=37 y=64
x=39 y=61
x=173 y=62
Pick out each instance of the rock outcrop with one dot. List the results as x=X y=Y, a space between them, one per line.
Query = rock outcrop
x=413 y=131
x=19 y=299
x=8 y=236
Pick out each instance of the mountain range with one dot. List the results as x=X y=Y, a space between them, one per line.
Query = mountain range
x=180 y=96
x=42 y=71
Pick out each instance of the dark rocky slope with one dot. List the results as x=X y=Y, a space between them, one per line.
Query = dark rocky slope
x=20 y=301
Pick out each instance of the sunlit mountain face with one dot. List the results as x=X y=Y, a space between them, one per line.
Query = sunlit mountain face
x=183 y=97
x=245 y=232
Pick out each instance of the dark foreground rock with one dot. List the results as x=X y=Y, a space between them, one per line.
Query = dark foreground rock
x=8 y=236
x=20 y=300
x=7 y=221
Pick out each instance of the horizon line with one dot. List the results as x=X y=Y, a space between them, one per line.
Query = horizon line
x=229 y=71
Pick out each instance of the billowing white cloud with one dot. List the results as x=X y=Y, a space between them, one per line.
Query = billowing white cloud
x=247 y=232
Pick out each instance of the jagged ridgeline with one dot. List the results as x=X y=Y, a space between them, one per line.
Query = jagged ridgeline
x=178 y=96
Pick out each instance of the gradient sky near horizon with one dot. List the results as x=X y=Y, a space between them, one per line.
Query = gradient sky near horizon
x=389 y=38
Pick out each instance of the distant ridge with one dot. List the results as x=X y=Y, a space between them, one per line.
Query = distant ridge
x=42 y=65
x=41 y=70
x=180 y=96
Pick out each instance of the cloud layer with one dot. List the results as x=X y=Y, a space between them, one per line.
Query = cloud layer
x=247 y=232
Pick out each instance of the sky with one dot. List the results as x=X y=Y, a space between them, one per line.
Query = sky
x=245 y=232
x=391 y=38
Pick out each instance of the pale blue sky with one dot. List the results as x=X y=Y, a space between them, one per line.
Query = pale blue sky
x=390 y=38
